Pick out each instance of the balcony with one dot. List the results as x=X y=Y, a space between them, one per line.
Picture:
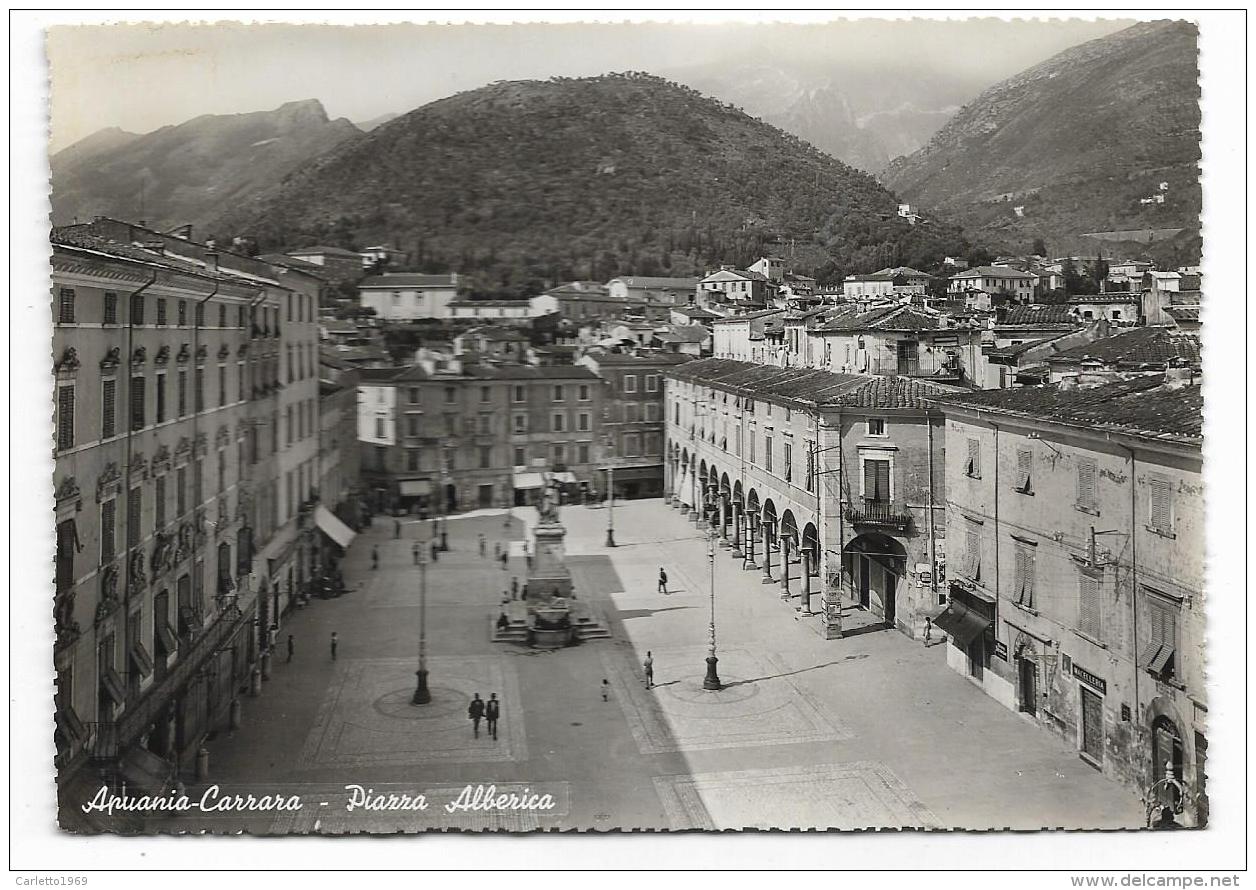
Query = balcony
x=878 y=514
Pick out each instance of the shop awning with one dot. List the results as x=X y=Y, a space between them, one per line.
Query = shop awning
x=529 y=480
x=413 y=487
x=962 y=624
x=568 y=478
x=333 y=527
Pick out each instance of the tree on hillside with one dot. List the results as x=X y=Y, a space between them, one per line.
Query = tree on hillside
x=1040 y=247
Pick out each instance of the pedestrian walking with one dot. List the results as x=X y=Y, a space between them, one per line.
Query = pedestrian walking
x=523 y=592
x=396 y=528
x=334 y=642
x=505 y=561
x=475 y=711
x=291 y=647
x=648 y=664
x=435 y=551
x=374 y=558
x=415 y=551
x=514 y=588
x=481 y=545
x=606 y=689
x=662 y=580
x=492 y=711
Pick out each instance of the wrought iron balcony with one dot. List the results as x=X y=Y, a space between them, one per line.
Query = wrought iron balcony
x=879 y=514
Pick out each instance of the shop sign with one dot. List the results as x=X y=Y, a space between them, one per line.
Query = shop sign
x=1101 y=686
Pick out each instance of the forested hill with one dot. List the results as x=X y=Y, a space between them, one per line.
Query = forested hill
x=588 y=178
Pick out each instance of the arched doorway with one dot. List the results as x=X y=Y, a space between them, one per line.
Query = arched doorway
x=451 y=498
x=1168 y=752
x=1025 y=657
x=874 y=563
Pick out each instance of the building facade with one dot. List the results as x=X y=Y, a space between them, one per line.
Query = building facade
x=1075 y=523
x=829 y=484
x=154 y=600
x=466 y=436
x=406 y=296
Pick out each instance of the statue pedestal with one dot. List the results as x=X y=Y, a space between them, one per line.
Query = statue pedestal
x=549 y=576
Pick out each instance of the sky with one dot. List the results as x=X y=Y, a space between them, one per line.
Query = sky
x=140 y=77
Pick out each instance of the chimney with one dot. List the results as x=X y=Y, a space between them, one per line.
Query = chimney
x=1178 y=377
x=211 y=261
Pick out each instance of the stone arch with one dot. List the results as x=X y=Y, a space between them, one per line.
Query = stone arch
x=811 y=547
x=876 y=564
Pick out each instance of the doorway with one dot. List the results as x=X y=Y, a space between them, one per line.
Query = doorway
x=865 y=569
x=451 y=499
x=908 y=359
x=486 y=495
x=1092 y=725
x=1167 y=751
x=1027 y=671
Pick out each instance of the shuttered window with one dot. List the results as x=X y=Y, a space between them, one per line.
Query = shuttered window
x=65 y=417
x=972 y=552
x=1089 y=618
x=1024 y=471
x=108 y=408
x=134 y=510
x=876 y=480
x=137 y=309
x=1023 y=582
x=767 y=453
x=160 y=504
x=1086 y=472
x=65 y=314
x=789 y=462
x=137 y=403
x=1161 y=617
x=161 y=398
x=110 y=308
x=107 y=542
x=183 y=393
x=1161 y=505
x=972 y=466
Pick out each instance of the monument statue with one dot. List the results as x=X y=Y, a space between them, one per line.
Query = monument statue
x=549 y=501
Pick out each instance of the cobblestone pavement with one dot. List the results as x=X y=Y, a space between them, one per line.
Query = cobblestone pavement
x=870 y=731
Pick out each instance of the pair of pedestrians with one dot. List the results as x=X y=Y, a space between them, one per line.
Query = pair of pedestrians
x=488 y=711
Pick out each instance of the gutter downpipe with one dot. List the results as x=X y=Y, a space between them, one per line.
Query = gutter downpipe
x=1134 y=582
x=130 y=424
x=997 y=577
x=933 y=541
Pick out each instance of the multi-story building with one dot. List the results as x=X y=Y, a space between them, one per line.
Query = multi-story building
x=460 y=437
x=820 y=480
x=995 y=280
x=653 y=290
x=209 y=341
x=737 y=286
x=1075 y=557
x=339 y=454
x=520 y=310
x=632 y=421
x=154 y=608
x=340 y=265
x=406 y=296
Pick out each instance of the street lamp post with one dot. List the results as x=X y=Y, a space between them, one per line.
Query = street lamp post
x=422 y=695
x=610 y=494
x=712 y=679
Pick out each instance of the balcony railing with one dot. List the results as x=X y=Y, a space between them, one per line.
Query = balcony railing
x=881 y=514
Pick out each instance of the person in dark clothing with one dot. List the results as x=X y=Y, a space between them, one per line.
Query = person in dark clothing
x=481 y=545
x=435 y=551
x=505 y=561
x=491 y=712
x=1166 y=822
x=396 y=528
x=514 y=588
x=475 y=711
x=334 y=642
x=502 y=621
x=415 y=551
x=662 y=580
x=291 y=647
x=374 y=558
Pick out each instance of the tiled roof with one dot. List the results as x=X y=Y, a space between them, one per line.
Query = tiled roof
x=1106 y=298
x=887 y=318
x=747 y=316
x=1142 y=405
x=1040 y=313
x=1182 y=313
x=1136 y=347
x=328 y=251
x=291 y=262
x=1013 y=351
x=406 y=279
x=639 y=281
x=78 y=236
x=992 y=272
x=810 y=386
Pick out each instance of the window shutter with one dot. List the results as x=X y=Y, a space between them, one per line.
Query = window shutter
x=973 y=467
x=1086 y=483
x=108 y=409
x=1024 y=469
x=1018 y=584
x=107 y=548
x=1160 y=504
x=1088 y=616
x=65 y=417
x=1027 y=577
x=972 y=554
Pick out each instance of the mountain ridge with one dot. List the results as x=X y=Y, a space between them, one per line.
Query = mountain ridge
x=588 y=178
x=1076 y=141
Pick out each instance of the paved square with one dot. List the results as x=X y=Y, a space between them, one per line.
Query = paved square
x=758 y=705
x=366 y=717
x=862 y=794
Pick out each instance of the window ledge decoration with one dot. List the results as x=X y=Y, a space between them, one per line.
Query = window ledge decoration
x=113 y=358
x=107 y=482
x=139 y=357
x=163 y=355
x=69 y=362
